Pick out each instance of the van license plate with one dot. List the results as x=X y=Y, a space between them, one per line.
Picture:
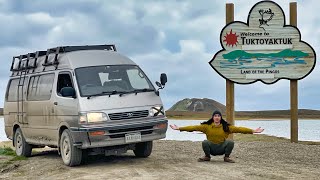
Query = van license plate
x=134 y=137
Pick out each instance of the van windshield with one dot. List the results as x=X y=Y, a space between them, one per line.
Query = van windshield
x=102 y=80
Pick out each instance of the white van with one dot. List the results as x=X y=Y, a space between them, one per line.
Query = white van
x=84 y=100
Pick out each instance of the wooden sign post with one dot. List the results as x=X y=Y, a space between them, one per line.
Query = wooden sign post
x=263 y=49
x=294 y=85
x=230 y=84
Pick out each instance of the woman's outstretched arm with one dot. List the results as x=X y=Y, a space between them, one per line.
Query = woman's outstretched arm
x=244 y=130
x=201 y=128
x=258 y=130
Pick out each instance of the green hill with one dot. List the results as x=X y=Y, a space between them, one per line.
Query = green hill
x=194 y=108
x=198 y=105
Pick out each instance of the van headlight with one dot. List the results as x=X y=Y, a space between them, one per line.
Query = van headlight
x=156 y=111
x=94 y=117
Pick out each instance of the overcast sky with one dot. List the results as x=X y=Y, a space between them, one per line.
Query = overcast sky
x=178 y=38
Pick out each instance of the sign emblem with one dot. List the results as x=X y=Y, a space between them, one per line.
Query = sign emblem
x=231 y=39
x=263 y=49
x=266 y=16
x=129 y=115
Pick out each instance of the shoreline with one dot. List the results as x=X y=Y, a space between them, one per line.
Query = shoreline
x=237 y=137
x=242 y=119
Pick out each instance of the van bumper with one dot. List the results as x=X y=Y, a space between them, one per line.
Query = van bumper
x=114 y=134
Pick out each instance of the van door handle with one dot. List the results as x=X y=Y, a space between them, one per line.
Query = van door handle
x=55 y=103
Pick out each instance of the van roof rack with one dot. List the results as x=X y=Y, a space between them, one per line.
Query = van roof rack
x=24 y=60
x=111 y=47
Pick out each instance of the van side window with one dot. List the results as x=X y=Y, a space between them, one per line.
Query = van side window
x=32 y=88
x=40 y=87
x=12 y=90
x=64 y=80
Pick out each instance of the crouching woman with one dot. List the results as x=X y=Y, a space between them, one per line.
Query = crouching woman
x=217 y=131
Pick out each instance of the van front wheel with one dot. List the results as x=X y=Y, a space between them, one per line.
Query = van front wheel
x=70 y=154
x=20 y=144
x=143 y=149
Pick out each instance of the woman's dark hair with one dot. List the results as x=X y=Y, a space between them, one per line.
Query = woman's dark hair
x=224 y=123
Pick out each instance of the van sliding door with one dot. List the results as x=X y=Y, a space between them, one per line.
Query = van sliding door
x=39 y=107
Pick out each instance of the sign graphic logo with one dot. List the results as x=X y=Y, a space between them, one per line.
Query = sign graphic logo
x=263 y=49
x=266 y=16
x=231 y=39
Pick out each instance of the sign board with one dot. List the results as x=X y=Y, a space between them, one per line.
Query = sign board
x=263 y=49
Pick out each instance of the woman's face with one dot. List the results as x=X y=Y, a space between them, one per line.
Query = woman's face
x=216 y=118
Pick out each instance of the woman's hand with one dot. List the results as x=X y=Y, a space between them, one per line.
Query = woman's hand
x=174 y=127
x=258 y=130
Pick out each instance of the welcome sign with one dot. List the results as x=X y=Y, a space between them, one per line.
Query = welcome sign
x=263 y=49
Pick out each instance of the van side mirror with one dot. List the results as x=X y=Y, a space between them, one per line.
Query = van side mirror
x=162 y=83
x=68 y=92
x=163 y=79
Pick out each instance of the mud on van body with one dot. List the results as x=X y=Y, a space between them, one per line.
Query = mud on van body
x=84 y=100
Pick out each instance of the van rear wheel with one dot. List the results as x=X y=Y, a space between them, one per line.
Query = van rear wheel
x=143 y=149
x=20 y=144
x=70 y=154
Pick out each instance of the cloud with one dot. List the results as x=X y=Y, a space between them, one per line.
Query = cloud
x=188 y=73
x=263 y=49
x=175 y=37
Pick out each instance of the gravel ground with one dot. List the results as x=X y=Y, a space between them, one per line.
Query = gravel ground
x=178 y=160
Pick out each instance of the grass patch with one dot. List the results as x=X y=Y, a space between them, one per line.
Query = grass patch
x=11 y=161
x=19 y=158
x=7 y=151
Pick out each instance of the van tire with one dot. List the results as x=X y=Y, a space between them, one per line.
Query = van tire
x=70 y=154
x=85 y=156
x=143 y=149
x=20 y=144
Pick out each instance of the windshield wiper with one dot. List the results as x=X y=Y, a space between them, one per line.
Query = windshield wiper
x=142 y=90
x=136 y=91
x=105 y=93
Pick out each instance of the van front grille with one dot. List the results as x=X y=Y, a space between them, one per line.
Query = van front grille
x=129 y=115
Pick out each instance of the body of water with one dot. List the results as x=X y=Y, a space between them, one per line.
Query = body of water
x=309 y=130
